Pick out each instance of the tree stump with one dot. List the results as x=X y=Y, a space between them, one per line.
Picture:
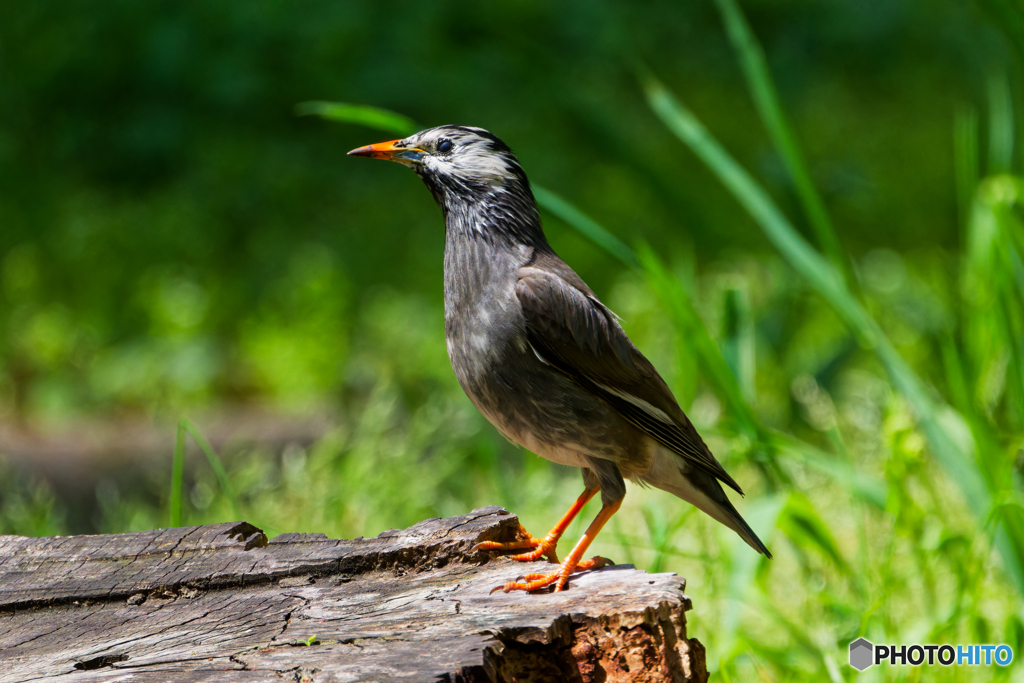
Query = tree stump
x=221 y=603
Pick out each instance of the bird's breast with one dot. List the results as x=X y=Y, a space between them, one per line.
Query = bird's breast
x=528 y=401
x=484 y=328
x=484 y=322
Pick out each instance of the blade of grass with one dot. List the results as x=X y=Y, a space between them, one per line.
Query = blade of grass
x=993 y=295
x=766 y=98
x=811 y=643
x=689 y=323
x=1009 y=289
x=585 y=225
x=1008 y=311
x=822 y=276
x=724 y=382
x=360 y=114
x=1006 y=17
x=742 y=566
x=965 y=159
x=177 y=475
x=660 y=532
x=1000 y=125
x=804 y=526
x=215 y=464
x=992 y=267
x=956 y=380
x=625 y=544
x=738 y=345
x=869 y=488
x=931 y=416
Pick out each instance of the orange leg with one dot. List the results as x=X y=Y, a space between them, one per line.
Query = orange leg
x=541 y=546
x=573 y=562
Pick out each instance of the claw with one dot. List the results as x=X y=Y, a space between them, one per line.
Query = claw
x=573 y=563
x=539 y=547
x=512 y=545
x=532 y=582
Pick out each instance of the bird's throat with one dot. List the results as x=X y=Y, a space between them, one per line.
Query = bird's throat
x=506 y=216
x=489 y=235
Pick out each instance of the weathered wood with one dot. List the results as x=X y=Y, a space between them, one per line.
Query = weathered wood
x=220 y=603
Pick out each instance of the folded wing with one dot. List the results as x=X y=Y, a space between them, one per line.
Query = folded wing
x=575 y=333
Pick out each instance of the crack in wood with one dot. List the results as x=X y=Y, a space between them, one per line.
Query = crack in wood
x=100 y=662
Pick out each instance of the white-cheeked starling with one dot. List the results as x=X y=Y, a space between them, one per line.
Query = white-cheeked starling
x=542 y=358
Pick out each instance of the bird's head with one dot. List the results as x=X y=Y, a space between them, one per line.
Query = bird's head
x=475 y=179
x=458 y=163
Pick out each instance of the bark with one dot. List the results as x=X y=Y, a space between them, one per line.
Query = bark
x=221 y=603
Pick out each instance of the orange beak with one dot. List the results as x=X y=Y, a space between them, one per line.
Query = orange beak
x=388 y=150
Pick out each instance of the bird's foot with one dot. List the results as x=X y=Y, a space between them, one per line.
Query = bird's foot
x=560 y=578
x=538 y=546
x=574 y=562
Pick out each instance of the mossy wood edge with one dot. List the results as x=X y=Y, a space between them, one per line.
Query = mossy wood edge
x=220 y=602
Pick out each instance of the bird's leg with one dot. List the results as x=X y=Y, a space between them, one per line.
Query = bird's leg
x=573 y=562
x=541 y=546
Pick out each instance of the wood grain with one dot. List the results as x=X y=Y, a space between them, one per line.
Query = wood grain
x=221 y=603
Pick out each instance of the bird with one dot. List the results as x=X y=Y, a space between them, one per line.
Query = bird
x=543 y=359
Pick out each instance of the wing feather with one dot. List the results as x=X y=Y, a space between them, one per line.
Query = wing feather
x=572 y=331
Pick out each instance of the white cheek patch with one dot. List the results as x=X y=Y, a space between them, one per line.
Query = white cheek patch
x=485 y=165
x=475 y=164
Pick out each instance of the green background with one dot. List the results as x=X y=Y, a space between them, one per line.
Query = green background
x=175 y=241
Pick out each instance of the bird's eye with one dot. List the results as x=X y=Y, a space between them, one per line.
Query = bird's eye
x=444 y=146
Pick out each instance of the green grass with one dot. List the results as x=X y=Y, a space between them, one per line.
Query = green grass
x=185 y=426
x=871 y=405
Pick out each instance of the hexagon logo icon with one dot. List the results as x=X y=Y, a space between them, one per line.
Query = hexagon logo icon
x=861 y=654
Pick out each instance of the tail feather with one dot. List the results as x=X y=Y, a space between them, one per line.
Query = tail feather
x=703 y=492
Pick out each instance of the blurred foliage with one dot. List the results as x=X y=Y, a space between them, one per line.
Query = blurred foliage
x=162 y=203
x=825 y=204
